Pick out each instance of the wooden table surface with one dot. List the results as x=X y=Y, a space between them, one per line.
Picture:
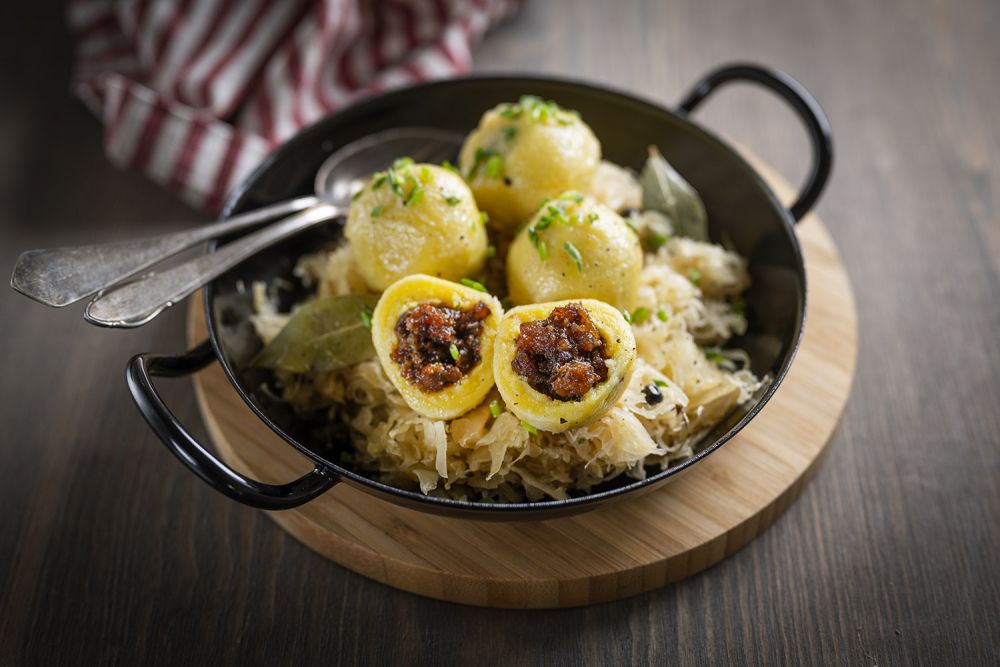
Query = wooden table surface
x=110 y=551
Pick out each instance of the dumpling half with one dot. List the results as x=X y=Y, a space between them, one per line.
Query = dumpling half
x=434 y=340
x=563 y=364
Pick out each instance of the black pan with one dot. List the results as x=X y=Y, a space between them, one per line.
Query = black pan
x=741 y=208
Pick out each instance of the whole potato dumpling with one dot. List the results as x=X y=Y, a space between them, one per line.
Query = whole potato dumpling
x=575 y=248
x=415 y=218
x=522 y=153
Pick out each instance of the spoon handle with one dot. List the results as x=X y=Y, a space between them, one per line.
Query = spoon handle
x=60 y=276
x=136 y=303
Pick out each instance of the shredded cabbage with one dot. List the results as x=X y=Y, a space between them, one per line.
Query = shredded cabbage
x=615 y=187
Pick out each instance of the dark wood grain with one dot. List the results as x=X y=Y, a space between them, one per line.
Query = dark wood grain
x=111 y=552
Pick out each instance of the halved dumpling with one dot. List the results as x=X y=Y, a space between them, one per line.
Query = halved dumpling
x=434 y=339
x=563 y=364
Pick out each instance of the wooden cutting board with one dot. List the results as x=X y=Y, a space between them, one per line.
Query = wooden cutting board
x=711 y=511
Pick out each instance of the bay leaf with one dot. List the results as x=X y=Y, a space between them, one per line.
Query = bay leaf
x=666 y=191
x=323 y=335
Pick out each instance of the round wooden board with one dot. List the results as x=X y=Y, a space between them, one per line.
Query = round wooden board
x=711 y=511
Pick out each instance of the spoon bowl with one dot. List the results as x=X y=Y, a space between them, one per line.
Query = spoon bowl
x=338 y=179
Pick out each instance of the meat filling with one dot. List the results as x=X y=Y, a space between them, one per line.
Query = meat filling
x=437 y=346
x=562 y=356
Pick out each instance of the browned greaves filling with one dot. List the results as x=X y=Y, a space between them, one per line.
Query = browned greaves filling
x=429 y=338
x=562 y=356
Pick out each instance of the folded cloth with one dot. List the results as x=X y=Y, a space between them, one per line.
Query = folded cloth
x=194 y=93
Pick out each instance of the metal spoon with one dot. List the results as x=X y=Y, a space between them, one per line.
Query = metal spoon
x=136 y=303
x=60 y=276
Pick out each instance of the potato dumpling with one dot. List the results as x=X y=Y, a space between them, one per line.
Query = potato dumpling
x=415 y=218
x=434 y=340
x=574 y=248
x=563 y=364
x=522 y=153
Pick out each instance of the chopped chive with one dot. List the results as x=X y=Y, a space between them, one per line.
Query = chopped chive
x=592 y=217
x=544 y=202
x=491 y=251
x=415 y=196
x=357 y=194
x=574 y=254
x=660 y=383
x=713 y=353
x=484 y=217
x=694 y=275
x=558 y=214
x=661 y=314
x=529 y=428
x=572 y=195
x=509 y=132
x=453 y=201
x=543 y=223
x=450 y=167
x=539 y=244
x=495 y=409
x=453 y=351
x=394 y=182
x=378 y=182
x=656 y=241
x=494 y=166
x=640 y=315
x=631 y=225
x=627 y=315
x=538 y=110
x=469 y=282
x=425 y=174
x=479 y=159
x=366 y=317
x=738 y=308
x=377 y=211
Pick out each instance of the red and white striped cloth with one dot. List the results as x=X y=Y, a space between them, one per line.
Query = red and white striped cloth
x=194 y=93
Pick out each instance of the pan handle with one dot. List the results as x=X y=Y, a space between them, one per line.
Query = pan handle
x=142 y=369
x=799 y=99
